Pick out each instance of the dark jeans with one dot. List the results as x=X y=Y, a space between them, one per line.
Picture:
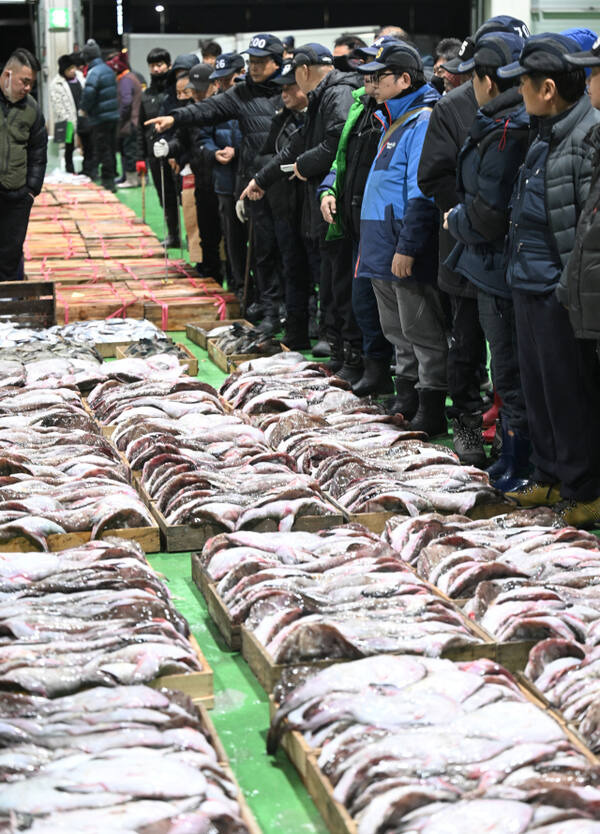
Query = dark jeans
x=128 y=149
x=366 y=313
x=14 y=217
x=265 y=256
x=497 y=317
x=335 y=292
x=296 y=268
x=209 y=227
x=168 y=200
x=105 y=148
x=236 y=243
x=560 y=379
x=467 y=347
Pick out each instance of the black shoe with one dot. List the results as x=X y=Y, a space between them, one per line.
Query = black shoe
x=321 y=348
x=120 y=179
x=431 y=413
x=336 y=353
x=171 y=242
x=352 y=367
x=468 y=440
x=254 y=312
x=376 y=378
x=296 y=332
x=110 y=186
x=406 y=400
x=269 y=325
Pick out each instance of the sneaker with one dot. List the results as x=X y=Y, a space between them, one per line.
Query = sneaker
x=536 y=494
x=573 y=513
x=467 y=440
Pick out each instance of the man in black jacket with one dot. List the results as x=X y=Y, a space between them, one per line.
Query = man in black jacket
x=448 y=128
x=253 y=102
x=23 y=148
x=311 y=155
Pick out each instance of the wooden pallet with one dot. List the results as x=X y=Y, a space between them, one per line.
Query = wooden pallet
x=30 y=302
x=198 y=332
x=190 y=363
x=197 y=685
x=174 y=314
x=231 y=632
x=376 y=521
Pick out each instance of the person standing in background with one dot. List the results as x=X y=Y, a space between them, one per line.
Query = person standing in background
x=99 y=103
x=129 y=92
x=65 y=95
x=210 y=51
x=24 y=145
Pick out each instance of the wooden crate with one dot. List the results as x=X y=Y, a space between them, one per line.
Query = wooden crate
x=30 y=302
x=54 y=246
x=147 y=537
x=80 y=302
x=190 y=363
x=197 y=685
x=228 y=362
x=110 y=228
x=376 y=521
x=174 y=314
x=231 y=633
x=198 y=332
x=54 y=226
x=124 y=248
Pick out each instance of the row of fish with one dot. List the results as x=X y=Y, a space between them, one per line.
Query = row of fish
x=239 y=338
x=430 y=746
x=339 y=593
x=92 y=615
x=132 y=759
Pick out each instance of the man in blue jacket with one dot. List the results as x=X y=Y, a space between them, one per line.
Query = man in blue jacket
x=99 y=103
x=398 y=234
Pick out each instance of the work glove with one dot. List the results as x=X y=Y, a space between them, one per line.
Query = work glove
x=160 y=148
x=240 y=210
x=140 y=167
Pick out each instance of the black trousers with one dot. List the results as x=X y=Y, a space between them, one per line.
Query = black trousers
x=265 y=256
x=209 y=227
x=105 y=149
x=168 y=199
x=87 y=149
x=128 y=148
x=69 y=157
x=561 y=384
x=335 y=292
x=14 y=218
x=296 y=268
x=465 y=355
x=236 y=242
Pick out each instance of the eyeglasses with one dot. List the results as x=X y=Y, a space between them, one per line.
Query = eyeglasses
x=377 y=76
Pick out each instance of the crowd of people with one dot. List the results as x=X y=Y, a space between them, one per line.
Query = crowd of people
x=402 y=218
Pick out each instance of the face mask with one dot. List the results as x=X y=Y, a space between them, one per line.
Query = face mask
x=7 y=88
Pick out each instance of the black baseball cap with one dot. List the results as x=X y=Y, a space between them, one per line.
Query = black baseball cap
x=200 y=77
x=495 y=50
x=263 y=45
x=312 y=55
x=542 y=53
x=287 y=75
x=371 y=51
x=499 y=23
x=591 y=58
x=396 y=54
x=226 y=64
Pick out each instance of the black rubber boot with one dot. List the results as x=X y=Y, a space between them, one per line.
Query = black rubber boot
x=468 y=440
x=336 y=352
x=296 y=333
x=376 y=378
x=406 y=400
x=270 y=325
x=352 y=367
x=431 y=413
x=321 y=348
x=511 y=470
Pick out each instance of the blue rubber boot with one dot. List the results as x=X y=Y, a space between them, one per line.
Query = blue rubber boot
x=516 y=449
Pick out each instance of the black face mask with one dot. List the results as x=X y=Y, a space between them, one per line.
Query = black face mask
x=158 y=82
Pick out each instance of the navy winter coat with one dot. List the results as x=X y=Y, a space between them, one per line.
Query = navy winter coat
x=99 y=99
x=488 y=165
x=225 y=135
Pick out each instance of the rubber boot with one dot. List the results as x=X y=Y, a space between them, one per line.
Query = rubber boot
x=336 y=352
x=376 y=378
x=131 y=180
x=511 y=470
x=321 y=348
x=431 y=413
x=492 y=414
x=296 y=332
x=468 y=441
x=352 y=367
x=406 y=400
x=270 y=325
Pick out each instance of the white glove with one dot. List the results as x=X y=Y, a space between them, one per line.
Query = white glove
x=240 y=210
x=160 y=148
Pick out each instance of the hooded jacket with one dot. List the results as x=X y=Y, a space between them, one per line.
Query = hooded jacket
x=314 y=147
x=99 y=100
x=449 y=125
x=551 y=191
x=253 y=105
x=488 y=165
x=396 y=216
x=23 y=146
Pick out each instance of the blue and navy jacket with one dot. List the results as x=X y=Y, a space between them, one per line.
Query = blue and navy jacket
x=226 y=134
x=99 y=98
x=488 y=165
x=396 y=216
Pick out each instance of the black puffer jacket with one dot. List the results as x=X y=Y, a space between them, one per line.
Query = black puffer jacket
x=449 y=126
x=285 y=195
x=362 y=147
x=153 y=99
x=253 y=105
x=314 y=147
